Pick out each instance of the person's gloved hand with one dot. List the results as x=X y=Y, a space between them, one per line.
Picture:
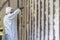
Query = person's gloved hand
x=21 y=8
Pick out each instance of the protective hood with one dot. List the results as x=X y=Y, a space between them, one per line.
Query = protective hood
x=8 y=10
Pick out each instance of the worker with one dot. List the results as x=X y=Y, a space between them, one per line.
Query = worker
x=9 y=23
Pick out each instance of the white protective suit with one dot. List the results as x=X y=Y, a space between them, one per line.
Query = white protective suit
x=10 y=25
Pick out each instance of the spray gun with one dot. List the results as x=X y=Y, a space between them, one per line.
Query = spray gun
x=21 y=8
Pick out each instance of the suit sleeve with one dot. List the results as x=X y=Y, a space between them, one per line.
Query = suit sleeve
x=14 y=14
